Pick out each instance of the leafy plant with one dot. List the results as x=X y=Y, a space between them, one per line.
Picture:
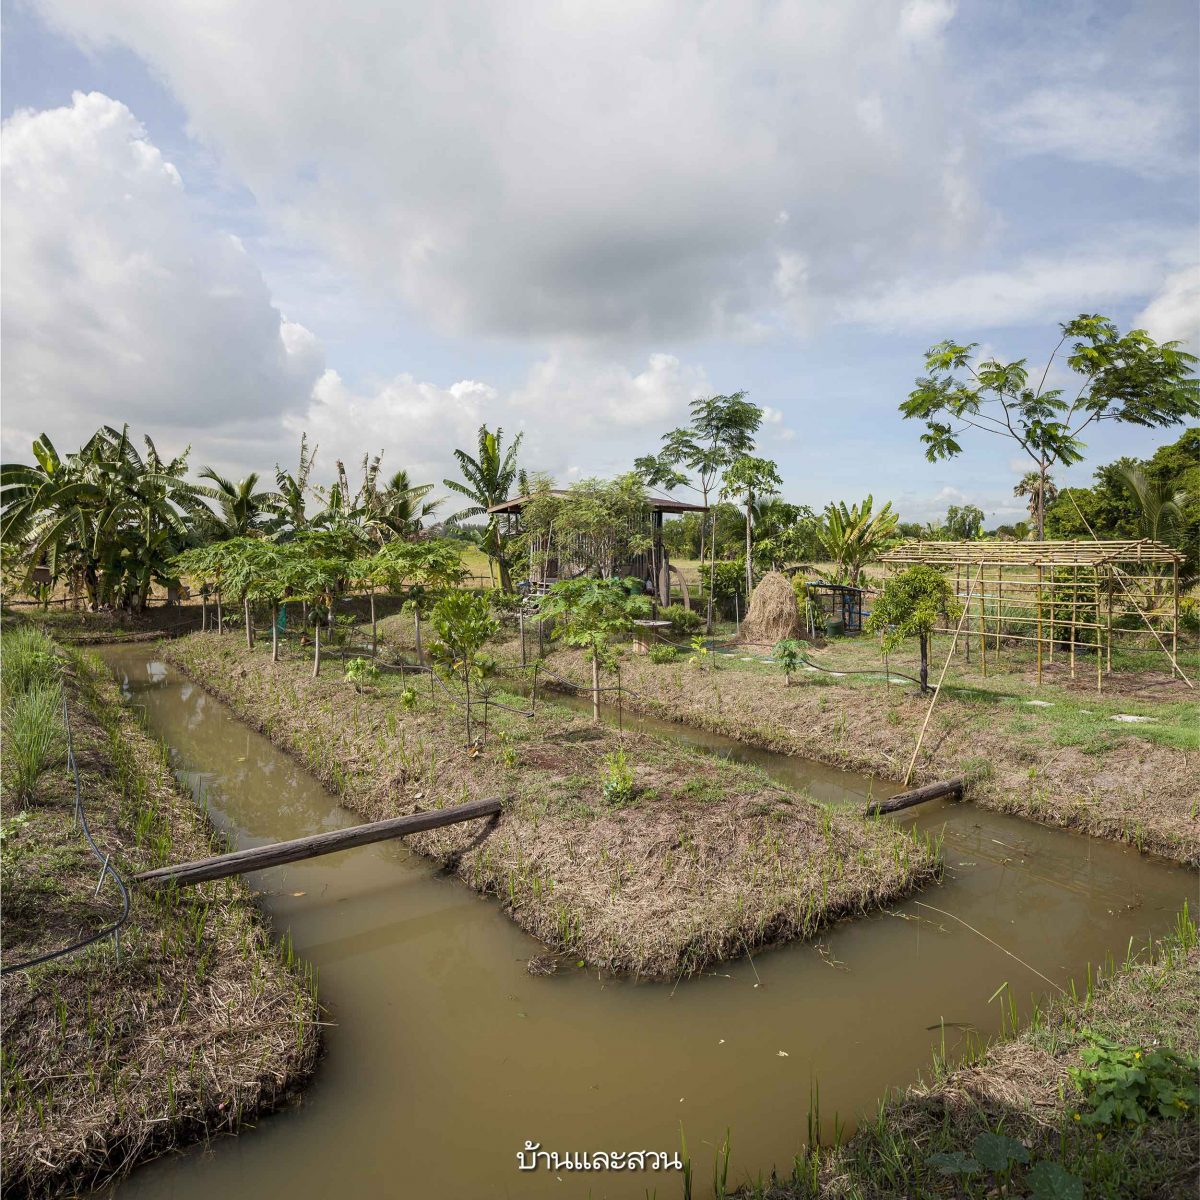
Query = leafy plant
x=853 y=536
x=361 y=671
x=617 y=780
x=463 y=623
x=998 y=1156
x=787 y=655
x=662 y=653
x=408 y=698
x=29 y=661
x=702 y=655
x=1129 y=1085
x=590 y=613
x=684 y=622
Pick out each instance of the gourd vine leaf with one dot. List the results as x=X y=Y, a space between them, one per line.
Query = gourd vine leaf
x=997 y=1152
x=1052 y=1181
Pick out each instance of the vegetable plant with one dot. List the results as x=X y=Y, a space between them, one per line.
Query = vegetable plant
x=787 y=655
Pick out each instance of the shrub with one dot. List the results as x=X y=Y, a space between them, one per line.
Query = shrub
x=684 y=622
x=1128 y=1085
x=361 y=671
x=662 y=653
x=616 y=780
x=408 y=698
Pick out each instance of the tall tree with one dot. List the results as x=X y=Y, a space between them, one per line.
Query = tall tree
x=489 y=477
x=1129 y=378
x=722 y=429
x=1041 y=491
x=749 y=478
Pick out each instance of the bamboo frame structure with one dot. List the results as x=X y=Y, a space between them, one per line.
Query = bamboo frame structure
x=1079 y=597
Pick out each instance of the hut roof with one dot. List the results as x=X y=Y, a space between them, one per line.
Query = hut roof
x=655 y=501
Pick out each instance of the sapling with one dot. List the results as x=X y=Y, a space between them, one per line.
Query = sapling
x=787 y=655
x=912 y=604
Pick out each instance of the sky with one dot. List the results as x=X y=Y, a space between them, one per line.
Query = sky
x=386 y=223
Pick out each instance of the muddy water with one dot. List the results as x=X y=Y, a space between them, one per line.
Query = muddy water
x=445 y=1056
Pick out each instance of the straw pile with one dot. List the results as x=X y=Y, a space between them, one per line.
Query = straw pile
x=774 y=612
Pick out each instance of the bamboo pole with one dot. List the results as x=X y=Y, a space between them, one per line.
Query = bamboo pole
x=937 y=691
x=1039 y=625
x=982 y=633
x=1074 y=611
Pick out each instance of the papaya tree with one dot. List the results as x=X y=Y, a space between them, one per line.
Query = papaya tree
x=912 y=604
x=590 y=613
x=463 y=623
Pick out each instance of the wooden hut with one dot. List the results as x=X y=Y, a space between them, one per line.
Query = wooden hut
x=562 y=558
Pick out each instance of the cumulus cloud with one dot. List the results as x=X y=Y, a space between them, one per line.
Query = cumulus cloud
x=119 y=304
x=579 y=171
x=578 y=416
x=1174 y=313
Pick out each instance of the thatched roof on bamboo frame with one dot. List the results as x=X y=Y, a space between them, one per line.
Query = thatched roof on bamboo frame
x=1032 y=554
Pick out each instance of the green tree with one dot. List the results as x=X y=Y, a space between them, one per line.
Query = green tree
x=911 y=604
x=430 y=565
x=1159 y=506
x=590 y=613
x=749 y=478
x=489 y=477
x=722 y=429
x=1128 y=378
x=1040 y=490
x=964 y=523
x=241 y=507
x=463 y=623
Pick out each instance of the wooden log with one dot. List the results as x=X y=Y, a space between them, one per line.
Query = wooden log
x=931 y=791
x=256 y=859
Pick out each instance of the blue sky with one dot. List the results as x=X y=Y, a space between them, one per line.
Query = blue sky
x=227 y=223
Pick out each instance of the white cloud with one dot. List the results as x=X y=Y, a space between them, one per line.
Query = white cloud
x=578 y=171
x=1141 y=132
x=118 y=304
x=1174 y=313
x=1036 y=288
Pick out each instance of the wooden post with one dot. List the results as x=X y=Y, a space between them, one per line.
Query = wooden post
x=1074 y=604
x=1108 y=640
x=249 y=623
x=521 y=627
x=257 y=858
x=999 y=608
x=1039 y=623
x=983 y=630
x=1175 y=611
x=417 y=623
x=1099 y=656
x=316 y=649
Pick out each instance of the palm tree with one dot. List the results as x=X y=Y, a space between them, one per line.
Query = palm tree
x=399 y=509
x=489 y=478
x=240 y=505
x=1160 y=510
x=1042 y=492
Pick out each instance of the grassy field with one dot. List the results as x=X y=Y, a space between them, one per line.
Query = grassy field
x=618 y=849
x=195 y=1028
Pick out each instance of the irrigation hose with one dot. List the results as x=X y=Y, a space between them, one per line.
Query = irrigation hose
x=106 y=867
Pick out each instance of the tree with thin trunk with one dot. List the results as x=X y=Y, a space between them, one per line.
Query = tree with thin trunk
x=722 y=429
x=590 y=613
x=1129 y=378
x=913 y=604
x=749 y=478
x=463 y=623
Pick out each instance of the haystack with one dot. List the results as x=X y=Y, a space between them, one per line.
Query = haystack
x=774 y=612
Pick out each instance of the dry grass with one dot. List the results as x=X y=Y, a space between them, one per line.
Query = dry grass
x=197 y=1027
x=774 y=613
x=707 y=861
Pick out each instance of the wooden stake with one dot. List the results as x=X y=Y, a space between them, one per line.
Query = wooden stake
x=1039 y=624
